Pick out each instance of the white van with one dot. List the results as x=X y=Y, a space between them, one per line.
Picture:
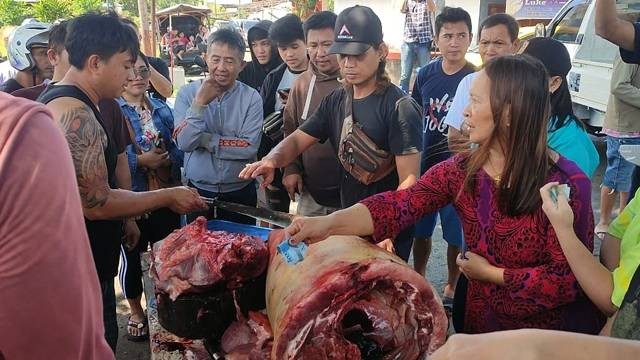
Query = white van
x=592 y=56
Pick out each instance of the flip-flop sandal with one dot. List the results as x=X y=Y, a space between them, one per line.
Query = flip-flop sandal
x=142 y=326
x=601 y=231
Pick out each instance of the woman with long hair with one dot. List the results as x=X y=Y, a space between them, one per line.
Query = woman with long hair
x=518 y=277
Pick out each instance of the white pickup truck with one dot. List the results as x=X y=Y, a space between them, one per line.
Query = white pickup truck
x=592 y=56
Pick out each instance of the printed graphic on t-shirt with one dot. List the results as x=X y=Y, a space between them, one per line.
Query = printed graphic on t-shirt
x=435 y=90
x=435 y=114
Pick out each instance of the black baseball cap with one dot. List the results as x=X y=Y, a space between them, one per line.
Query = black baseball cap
x=357 y=29
x=552 y=53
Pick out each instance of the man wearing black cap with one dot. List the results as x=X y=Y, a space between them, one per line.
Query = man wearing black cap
x=376 y=113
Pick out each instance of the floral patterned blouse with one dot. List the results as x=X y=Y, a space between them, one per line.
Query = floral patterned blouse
x=540 y=289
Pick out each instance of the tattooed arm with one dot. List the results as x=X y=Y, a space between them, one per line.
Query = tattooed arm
x=87 y=141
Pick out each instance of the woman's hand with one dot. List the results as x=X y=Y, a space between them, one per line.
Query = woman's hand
x=309 y=229
x=154 y=159
x=559 y=213
x=476 y=267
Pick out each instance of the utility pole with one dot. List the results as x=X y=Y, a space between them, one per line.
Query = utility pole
x=144 y=25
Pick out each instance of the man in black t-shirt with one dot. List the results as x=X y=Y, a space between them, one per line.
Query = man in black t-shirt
x=393 y=122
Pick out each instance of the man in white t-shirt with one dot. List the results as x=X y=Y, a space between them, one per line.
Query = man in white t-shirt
x=498 y=37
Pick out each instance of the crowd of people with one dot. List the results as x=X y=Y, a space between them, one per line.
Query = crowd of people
x=314 y=118
x=176 y=43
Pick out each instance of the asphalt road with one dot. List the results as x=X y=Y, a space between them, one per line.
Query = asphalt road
x=436 y=272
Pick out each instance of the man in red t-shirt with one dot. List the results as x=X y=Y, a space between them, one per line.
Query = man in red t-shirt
x=50 y=305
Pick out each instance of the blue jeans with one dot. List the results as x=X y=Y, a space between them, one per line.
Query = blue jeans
x=410 y=51
x=618 y=175
x=451 y=226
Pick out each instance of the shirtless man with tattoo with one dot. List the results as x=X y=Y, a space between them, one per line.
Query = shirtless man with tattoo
x=102 y=51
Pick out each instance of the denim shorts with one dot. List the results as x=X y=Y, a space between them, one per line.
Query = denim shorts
x=617 y=176
x=451 y=227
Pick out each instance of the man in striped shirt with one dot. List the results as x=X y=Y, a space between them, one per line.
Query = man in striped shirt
x=418 y=35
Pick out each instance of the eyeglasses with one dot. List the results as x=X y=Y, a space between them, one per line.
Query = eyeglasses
x=143 y=72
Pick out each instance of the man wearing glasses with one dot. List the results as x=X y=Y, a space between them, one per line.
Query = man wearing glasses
x=315 y=175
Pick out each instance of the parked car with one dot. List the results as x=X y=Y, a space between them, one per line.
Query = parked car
x=243 y=25
x=592 y=56
x=219 y=24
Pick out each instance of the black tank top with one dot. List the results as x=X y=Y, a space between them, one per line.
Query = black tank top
x=104 y=235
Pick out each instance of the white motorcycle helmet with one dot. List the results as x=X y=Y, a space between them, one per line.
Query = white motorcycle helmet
x=22 y=39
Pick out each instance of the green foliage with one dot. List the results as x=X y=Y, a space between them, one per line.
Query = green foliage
x=52 y=10
x=218 y=11
x=304 y=8
x=163 y=4
x=12 y=12
x=331 y=5
x=83 y=6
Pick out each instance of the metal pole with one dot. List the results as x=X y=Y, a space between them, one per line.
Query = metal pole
x=171 y=47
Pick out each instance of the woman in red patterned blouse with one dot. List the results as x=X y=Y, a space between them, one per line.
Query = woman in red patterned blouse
x=518 y=275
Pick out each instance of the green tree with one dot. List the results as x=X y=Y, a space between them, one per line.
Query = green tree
x=12 y=12
x=51 y=10
x=83 y=6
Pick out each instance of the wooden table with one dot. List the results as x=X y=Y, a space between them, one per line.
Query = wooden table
x=165 y=345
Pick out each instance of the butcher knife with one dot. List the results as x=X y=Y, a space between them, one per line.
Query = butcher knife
x=277 y=218
x=631 y=153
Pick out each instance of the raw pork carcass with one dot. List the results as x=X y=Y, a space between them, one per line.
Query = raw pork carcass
x=350 y=299
x=193 y=259
x=248 y=339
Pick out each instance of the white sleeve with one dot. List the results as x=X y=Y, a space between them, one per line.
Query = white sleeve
x=455 y=116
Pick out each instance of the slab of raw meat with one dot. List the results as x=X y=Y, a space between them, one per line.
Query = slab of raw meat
x=349 y=299
x=193 y=259
x=248 y=339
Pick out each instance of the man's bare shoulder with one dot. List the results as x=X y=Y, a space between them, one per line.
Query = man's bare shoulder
x=87 y=141
x=60 y=105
